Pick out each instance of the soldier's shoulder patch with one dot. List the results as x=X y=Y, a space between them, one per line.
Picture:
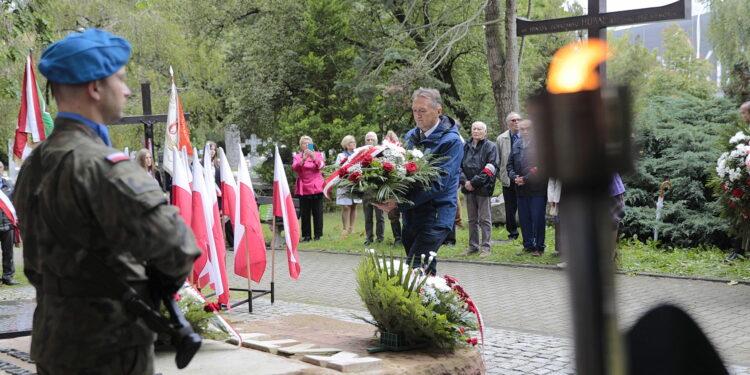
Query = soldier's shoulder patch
x=117 y=157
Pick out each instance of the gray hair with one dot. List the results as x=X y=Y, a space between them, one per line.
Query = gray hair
x=348 y=139
x=483 y=125
x=507 y=118
x=745 y=104
x=432 y=94
x=372 y=134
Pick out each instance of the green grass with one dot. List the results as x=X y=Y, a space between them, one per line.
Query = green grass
x=20 y=277
x=634 y=256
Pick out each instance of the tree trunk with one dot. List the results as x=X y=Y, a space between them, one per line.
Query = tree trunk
x=450 y=95
x=495 y=56
x=509 y=94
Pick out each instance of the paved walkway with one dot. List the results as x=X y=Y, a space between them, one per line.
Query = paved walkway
x=534 y=300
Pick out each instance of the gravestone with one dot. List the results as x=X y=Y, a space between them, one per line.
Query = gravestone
x=232 y=142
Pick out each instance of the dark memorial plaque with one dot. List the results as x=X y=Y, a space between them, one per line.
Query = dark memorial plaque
x=677 y=10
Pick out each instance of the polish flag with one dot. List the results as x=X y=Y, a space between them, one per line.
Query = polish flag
x=206 y=268
x=182 y=194
x=248 y=233
x=177 y=134
x=216 y=226
x=284 y=206
x=33 y=120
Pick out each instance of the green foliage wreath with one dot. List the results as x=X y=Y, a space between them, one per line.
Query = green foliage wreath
x=392 y=293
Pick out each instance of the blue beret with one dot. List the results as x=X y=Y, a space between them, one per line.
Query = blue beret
x=84 y=57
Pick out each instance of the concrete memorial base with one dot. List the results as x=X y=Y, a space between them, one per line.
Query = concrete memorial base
x=296 y=344
x=343 y=347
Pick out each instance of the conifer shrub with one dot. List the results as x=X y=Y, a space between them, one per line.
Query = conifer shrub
x=679 y=139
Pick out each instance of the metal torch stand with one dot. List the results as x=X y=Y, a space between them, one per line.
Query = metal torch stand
x=589 y=246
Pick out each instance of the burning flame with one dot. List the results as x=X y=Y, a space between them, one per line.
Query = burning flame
x=573 y=67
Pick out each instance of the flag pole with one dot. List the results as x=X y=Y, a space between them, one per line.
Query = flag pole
x=249 y=275
x=273 y=256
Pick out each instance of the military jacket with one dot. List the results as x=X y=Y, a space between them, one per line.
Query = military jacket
x=76 y=195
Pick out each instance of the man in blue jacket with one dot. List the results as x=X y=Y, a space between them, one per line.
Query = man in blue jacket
x=531 y=188
x=429 y=219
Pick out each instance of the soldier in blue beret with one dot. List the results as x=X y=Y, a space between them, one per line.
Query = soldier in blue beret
x=77 y=196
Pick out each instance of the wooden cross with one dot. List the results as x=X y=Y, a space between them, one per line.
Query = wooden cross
x=147 y=119
x=598 y=19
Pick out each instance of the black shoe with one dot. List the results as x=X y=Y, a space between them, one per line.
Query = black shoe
x=449 y=243
x=732 y=257
x=512 y=237
x=10 y=281
x=380 y=240
x=316 y=239
x=368 y=243
x=306 y=239
x=397 y=243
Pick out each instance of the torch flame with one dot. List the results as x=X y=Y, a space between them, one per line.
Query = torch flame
x=573 y=67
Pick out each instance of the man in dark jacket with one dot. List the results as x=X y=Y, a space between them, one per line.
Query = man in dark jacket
x=477 y=180
x=430 y=216
x=531 y=188
x=7 y=237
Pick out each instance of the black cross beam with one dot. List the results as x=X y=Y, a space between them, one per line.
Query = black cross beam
x=597 y=19
x=147 y=119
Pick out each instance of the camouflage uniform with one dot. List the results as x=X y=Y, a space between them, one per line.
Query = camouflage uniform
x=72 y=199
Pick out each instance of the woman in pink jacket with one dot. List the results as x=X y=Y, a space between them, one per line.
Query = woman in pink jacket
x=309 y=186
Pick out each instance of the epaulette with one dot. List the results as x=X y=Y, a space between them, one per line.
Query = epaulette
x=117 y=157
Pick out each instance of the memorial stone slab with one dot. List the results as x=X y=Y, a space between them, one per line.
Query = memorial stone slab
x=232 y=144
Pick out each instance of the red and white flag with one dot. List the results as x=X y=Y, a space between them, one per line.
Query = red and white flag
x=283 y=206
x=177 y=134
x=206 y=269
x=248 y=233
x=217 y=227
x=182 y=194
x=33 y=120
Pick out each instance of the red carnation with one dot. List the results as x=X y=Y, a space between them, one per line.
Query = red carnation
x=354 y=177
x=472 y=340
x=411 y=167
x=343 y=171
x=177 y=297
x=731 y=203
x=387 y=167
x=211 y=307
x=366 y=160
x=738 y=193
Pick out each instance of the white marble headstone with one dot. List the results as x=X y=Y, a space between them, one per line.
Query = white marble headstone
x=232 y=142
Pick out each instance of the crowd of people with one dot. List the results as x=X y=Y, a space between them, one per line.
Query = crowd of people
x=477 y=165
